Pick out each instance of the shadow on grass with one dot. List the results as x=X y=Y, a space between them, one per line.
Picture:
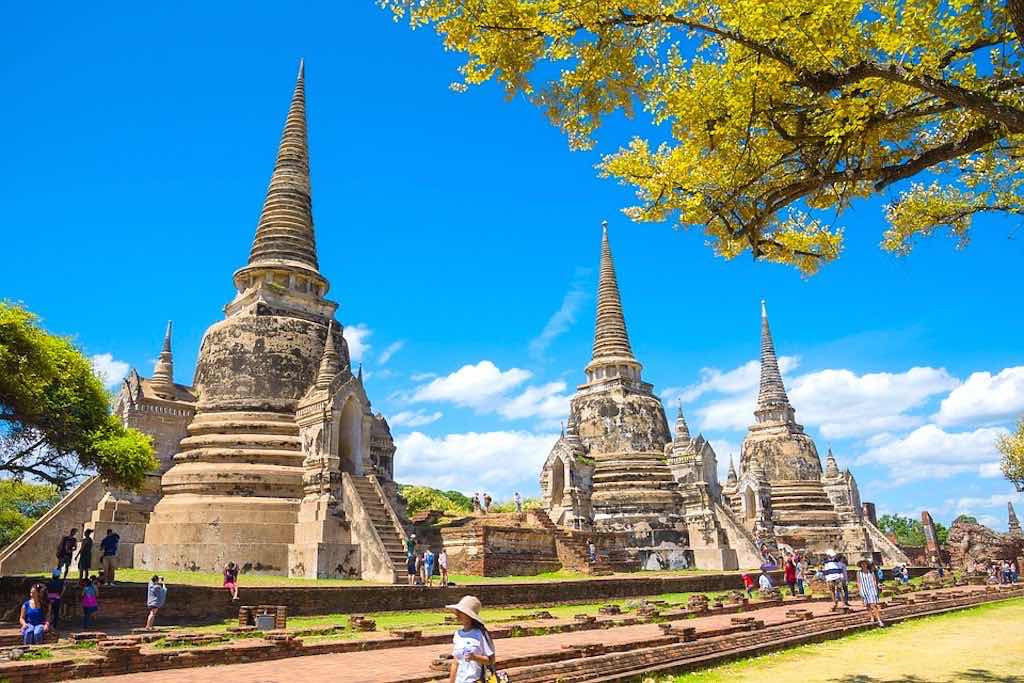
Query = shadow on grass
x=977 y=675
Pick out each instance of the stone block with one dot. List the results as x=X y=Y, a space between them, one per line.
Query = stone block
x=324 y=561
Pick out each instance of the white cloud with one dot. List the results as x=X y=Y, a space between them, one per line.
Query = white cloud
x=723 y=449
x=561 y=320
x=545 y=401
x=479 y=386
x=985 y=397
x=996 y=500
x=414 y=418
x=391 y=350
x=842 y=403
x=496 y=462
x=845 y=404
x=422 y=376
x=929 y=452
x=356 y=336
x=109 y=370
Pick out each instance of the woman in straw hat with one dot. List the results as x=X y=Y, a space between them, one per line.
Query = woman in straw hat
x=472 y=649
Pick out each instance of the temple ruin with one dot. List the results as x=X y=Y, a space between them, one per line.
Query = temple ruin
x=272 y=457
x=616 y=468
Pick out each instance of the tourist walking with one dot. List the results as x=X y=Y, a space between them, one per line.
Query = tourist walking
x=231 y=579
x=428 y=562
x=108 y=563
x=487 y=503
x=472 y=645
x=846 y=579
x=801 y=569
x=421 y=579
x=66 y=550
x=55 y=588
x=85 y=555
x=442 y=564
x=156 y=596
x=833 y=575
x=591 y=551
x=748 y=584
x=410 y=567
x=789 y=574
x=880 y=573
x=90 y=602
x=868 y=587
x=518 y=500
x=34 y=617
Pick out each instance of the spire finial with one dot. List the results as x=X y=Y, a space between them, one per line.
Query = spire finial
x=831 y=468
x=772 y=392
x=610 y=336
x=360 y=375
x=731 y=477
x=162 y=380
x=562 y=424
x=682 y=429
x=330 y=361
x=284 y=234
x=764 y=308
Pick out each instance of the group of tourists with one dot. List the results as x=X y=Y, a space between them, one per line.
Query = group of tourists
x=40 y=614
x=423 y=564
x=1005 y=572
x=481 y=502
x=69 y=544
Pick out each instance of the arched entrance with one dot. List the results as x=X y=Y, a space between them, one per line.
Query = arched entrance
x=350 y=438
x=557 y=481
x=749 y=504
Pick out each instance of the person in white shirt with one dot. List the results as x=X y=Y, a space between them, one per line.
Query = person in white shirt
x=518 y=501
x=442 y=564
x=472 y=646
x=764 y=582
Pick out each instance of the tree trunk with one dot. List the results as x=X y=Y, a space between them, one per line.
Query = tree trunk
x=1015 y=8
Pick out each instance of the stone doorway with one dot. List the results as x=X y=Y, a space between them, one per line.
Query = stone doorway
x=557 y=481
x=350 y=438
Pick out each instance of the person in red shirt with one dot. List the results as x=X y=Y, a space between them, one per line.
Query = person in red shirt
x=748 y=583
x=789 y=573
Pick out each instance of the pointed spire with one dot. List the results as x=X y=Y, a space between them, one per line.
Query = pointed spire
x=731 y=477
x=1014 y=523
x=682 y=430
x=360 y=375
x=162 y=380
x=772 y=392
x=284 y=234
x=330 y=361
x=610 y=336
x=831 y=468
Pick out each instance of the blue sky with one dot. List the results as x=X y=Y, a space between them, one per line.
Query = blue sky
x=461 y=238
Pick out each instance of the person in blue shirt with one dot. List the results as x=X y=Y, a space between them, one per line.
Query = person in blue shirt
x=108 y=562
x=54 y=594
x=35 y=619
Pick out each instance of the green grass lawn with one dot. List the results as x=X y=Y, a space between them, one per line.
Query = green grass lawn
x=984 y=643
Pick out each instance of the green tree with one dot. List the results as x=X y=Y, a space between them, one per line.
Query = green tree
x=55 y=420
x=1012 y=448
x=422 y=498
x=772 y=116
x=21 y=504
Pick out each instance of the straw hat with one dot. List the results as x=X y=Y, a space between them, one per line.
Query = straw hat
x=470 y=606
x=830 y=553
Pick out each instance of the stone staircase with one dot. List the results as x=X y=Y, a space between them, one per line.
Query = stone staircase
x=801 y=503
x=572 y=551
x=384 y=524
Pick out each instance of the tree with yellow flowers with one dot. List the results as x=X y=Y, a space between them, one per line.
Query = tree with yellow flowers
x=1011 y=447
x=775 y=115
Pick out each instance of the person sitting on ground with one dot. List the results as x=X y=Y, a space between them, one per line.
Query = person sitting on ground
x=834 y=574
x=66 y=551
x=442 y=564
x=472 y=645
x=55 y=588
x=85 y=555
x=231 y=579
x=108 y=562
x=428 y=567
x=764 y=582
x=156 y=595
x=748 y=584
x=90 y=601
x=867 y=585
x=34 y=616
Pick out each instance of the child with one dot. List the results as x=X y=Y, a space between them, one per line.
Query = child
x=472 y=646
x=428 y=565
x=90 y=602
x=748 y=583
x=231 y=579
x=55 y=593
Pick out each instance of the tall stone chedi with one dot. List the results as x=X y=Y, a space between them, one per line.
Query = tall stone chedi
x=274 y=470
x=782 y=494
x=609 y=470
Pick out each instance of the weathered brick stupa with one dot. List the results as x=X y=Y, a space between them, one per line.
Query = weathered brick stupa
x=272 y=458
x=781 y=493
x=608 y=471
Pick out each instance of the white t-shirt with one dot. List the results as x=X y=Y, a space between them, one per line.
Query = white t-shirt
x=442 y=560
x=465 y=642
x=764 y=582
